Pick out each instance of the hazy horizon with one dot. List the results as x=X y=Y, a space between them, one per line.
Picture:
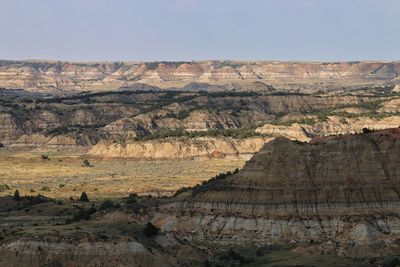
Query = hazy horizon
x=200 y=30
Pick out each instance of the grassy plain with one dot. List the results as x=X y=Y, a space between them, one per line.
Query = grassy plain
x=64 y=174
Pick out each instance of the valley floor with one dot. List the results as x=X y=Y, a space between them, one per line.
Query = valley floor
x=62 y=174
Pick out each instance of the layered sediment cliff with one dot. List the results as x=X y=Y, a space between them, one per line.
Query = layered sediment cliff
x=333 y=125
x=341 y=193
x=44 y=76
x=177 y=148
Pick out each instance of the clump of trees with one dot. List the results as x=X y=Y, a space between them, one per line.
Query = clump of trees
x=109 y=204
x=82 y=214
x=240 y=133
x=132 y=198
x=213 y=180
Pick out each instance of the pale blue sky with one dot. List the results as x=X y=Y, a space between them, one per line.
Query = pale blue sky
x=150 y=30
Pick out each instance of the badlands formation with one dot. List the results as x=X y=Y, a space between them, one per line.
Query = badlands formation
x=49 y=76
x=339 y=195
x=320 y=187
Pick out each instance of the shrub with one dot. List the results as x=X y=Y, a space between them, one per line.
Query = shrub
x=45 y=188
x=86 y=163
x=108 y=204
x=237 y=257
x=366 y=130
x=181 y=190
x=183 y=114
x=4 y=187
x=132 y=198
x=84 y=197
x=17 y=197
x=150 y=230
x=82 y=214
x=45 y=157
x=259 y=252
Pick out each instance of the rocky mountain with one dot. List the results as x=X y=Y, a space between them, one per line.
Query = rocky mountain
x=337 y=195
x=55 y=76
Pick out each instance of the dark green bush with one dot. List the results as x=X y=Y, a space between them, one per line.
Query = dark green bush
x=82 y=214
x=86 y=163
x=132 y=198
x=150 y=230
x=366 y=130
x=84 y=197
x=17 y=197
x=108 y=204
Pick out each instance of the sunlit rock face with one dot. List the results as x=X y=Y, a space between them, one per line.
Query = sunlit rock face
x=45 y=76
x=344 y=190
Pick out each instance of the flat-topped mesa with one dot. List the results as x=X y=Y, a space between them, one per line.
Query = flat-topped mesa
x=294 y=191
x=47 y=75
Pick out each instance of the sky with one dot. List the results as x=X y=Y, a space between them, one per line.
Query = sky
x=184 y=30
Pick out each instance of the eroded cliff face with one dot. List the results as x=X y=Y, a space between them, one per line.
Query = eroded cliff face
x=42 y=75
x=340 y=192
x=333 y=125
x=178 y=148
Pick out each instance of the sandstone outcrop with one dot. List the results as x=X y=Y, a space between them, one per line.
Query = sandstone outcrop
x=333 y=125
x=338 y=192
x=396 y=88
x=177 y=148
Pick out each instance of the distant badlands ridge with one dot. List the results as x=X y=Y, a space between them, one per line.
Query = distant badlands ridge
x=47 y=76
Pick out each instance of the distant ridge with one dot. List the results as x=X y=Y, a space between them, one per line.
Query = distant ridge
x=38 y=75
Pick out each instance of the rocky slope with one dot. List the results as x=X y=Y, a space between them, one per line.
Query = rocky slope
x=177 y=148
x=49 y=76
x=209 y=147
x=121 y=115
x=41 y=253
x=340 y=194
x=333 y=125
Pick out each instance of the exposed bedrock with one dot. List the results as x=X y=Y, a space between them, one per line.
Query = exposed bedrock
x=344 y=190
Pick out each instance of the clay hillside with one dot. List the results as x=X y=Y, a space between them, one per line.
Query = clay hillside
x=341 y=194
